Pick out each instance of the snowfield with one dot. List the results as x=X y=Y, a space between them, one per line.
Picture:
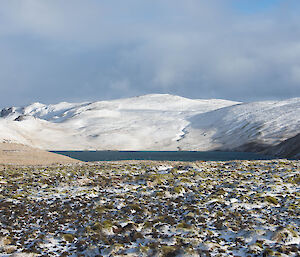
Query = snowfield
x=151 y=122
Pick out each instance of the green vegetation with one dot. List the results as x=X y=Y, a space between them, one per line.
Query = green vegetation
x=271 y=199
x=68 y=237
x=116 y=209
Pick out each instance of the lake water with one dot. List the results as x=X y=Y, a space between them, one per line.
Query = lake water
x=161 y=155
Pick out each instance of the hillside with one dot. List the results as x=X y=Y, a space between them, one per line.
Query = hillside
x=247 y=126
x=289 y=148
x=152 y=122
x=17 y=154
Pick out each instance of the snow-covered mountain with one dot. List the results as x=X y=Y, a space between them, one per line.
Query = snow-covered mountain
x=151 y=122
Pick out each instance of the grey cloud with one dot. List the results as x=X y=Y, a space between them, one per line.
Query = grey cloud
x=90 y=50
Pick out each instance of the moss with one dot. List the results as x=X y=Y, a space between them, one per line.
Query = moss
x=221 y=191
x=135 y=207
x=69 y=237
x=129 y=177
x=178 y=189
x=148 y=224
x=190 y=215
x=17 y=196
x=220 y=214
x=294 y=206
x=268 y=252
x=107 y=224
x=293 y=232
x=118 y=246
x=184 y=225
x=97 y=226
x=294 y=179
x=137 y=235
x=168 y=250
x=157 y=220
x=144 y=249
x=109 y=206
x=259 y=244
x=271 y=199
x=104 y=208
x=185 y=180
x=159 y=194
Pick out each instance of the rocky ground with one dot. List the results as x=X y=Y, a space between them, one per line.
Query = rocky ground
x=236 y=208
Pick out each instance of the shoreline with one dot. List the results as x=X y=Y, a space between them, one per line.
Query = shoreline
x=22 y=155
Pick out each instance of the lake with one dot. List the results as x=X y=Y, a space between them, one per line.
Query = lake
x=161 y=155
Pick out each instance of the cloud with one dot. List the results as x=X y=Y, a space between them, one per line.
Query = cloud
x=56 y=50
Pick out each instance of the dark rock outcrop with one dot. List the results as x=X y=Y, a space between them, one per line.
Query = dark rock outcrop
x=289 y=148
x=20 y=118
x=254 y=147
x=6 y=111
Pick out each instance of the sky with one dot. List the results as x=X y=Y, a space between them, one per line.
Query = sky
x=91 y=50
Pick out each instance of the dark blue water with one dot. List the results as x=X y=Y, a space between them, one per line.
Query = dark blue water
x=161 y=155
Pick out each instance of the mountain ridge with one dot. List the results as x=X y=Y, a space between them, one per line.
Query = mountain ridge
x=151 y=122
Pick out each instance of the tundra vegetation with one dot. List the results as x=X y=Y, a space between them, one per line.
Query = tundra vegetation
x=236 y=208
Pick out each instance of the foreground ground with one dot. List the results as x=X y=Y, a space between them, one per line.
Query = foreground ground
x=237 y=208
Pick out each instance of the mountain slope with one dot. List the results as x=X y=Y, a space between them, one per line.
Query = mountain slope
x=139 y=123
x=262 y=123
x=152 y=122
x=289 y=148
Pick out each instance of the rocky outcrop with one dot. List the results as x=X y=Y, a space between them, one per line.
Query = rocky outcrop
x=289 y=148
x=6 y=111
x=254 y=147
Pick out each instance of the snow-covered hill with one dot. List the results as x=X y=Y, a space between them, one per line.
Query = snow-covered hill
x=247 y=126
x=151 y=122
